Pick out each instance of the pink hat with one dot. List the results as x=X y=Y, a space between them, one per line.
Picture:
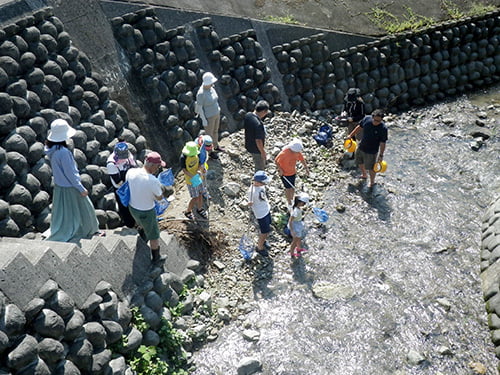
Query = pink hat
x=155 y=158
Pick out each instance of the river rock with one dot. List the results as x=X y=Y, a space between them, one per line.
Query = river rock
x=329 y=291
x=251 y=335
x=414 y=358
x=249 y=366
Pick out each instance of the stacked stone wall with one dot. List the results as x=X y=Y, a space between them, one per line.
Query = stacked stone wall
x=54 y=335
x=395 y=72
x=44 y=77
x=490 y=270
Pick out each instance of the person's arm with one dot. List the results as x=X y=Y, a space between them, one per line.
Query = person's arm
x=354 y=132
x=199 y=109
x=304 y=163
x=68 y=166
x=381 y=151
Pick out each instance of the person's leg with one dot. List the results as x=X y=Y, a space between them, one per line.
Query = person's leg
x=261 y=241
x=293 y=245
x=212 y=129
x=372 y=177
x=289 y=193
x=260 y=165
x=360 y=161
x=363 y=170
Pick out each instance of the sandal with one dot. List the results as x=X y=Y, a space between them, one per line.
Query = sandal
x=100 y=233
x=202 y=213
x=301 y=250
x=189 y=215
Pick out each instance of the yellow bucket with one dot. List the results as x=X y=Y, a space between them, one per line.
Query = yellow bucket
x=380 y=166
x=350 y=145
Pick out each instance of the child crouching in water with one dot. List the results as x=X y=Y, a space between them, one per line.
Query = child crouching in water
x=296 y=225
x=257 y=199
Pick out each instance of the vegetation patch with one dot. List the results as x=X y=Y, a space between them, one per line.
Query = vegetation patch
x=410 y=21
x=288 y=19
x=168 y=358
x=392 y=24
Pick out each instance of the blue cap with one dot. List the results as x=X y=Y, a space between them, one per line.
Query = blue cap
x=262 y=177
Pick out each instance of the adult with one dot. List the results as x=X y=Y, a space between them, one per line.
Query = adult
x=286 y=162
x=207 y=107
x=73 y=215
x=255 y=134
x=354 y=110
x=193 y=175
x=145 y=188
x=118 y=164
x=372 y=143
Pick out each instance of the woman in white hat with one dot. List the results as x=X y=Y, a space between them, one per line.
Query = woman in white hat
x=73 y=215
x=207 y=107
x=286 y=162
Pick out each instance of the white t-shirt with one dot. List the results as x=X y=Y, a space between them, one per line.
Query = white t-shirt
x=144 y=187
x=257 y=195
x=297 y=214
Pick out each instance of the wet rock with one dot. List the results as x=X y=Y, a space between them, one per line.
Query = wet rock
x=414 y=358
x=478 y=368
x=444 y=350
x=329 y=291
x=251 y=335
x=249 y=366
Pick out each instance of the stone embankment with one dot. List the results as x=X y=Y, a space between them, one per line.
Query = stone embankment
x=44 y=76
x=490 y=270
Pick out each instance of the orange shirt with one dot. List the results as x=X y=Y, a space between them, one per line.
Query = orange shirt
x=287 y=160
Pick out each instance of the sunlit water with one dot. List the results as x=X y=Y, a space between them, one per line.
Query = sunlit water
x=398 y=256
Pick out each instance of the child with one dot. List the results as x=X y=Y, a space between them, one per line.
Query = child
x=257 y=199
x=286 y=162
x=192 y=169
x=296 y=225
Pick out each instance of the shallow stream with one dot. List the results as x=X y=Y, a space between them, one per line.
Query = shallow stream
x=400 y=265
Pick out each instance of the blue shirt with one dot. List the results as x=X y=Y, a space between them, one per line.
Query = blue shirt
x=208 y=101
x=373 y=135
x=64 y=168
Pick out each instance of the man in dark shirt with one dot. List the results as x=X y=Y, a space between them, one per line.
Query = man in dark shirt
x=255 y=134
x=372 y=143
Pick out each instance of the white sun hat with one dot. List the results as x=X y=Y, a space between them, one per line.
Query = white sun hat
x=208 y=79
x=60 y=131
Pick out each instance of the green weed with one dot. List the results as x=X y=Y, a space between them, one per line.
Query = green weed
x=392 y=24
x=288 y=19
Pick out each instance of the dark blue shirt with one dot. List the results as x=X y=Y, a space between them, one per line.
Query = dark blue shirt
x=372 y=135
x=254 y=129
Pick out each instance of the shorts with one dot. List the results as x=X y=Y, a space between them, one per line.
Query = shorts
x=148 y=221
x=265 y=224
x=195 y=191
x=298 y=228
x=260 y=164
x=367 y=159
x=289 y=181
